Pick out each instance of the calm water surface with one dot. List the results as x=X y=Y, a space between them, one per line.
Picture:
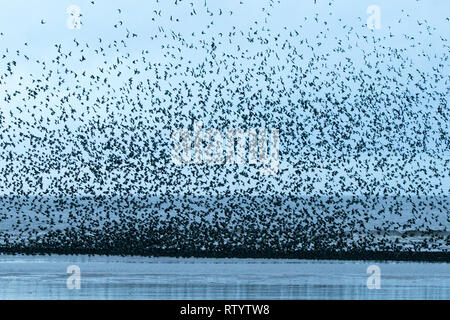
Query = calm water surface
x=45 y=277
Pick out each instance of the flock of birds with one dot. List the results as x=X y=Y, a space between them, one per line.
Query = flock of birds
x=85 y=143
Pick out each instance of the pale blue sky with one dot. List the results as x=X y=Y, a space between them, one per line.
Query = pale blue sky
x=20 y=22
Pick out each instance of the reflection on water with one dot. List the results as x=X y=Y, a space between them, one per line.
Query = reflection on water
x=38 y=277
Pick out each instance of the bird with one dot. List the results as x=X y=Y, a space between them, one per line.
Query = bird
x=354 y=121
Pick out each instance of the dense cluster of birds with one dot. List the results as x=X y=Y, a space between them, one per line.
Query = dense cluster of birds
x=85 y=141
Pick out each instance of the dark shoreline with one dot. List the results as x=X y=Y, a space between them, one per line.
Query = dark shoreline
x=244 y=254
